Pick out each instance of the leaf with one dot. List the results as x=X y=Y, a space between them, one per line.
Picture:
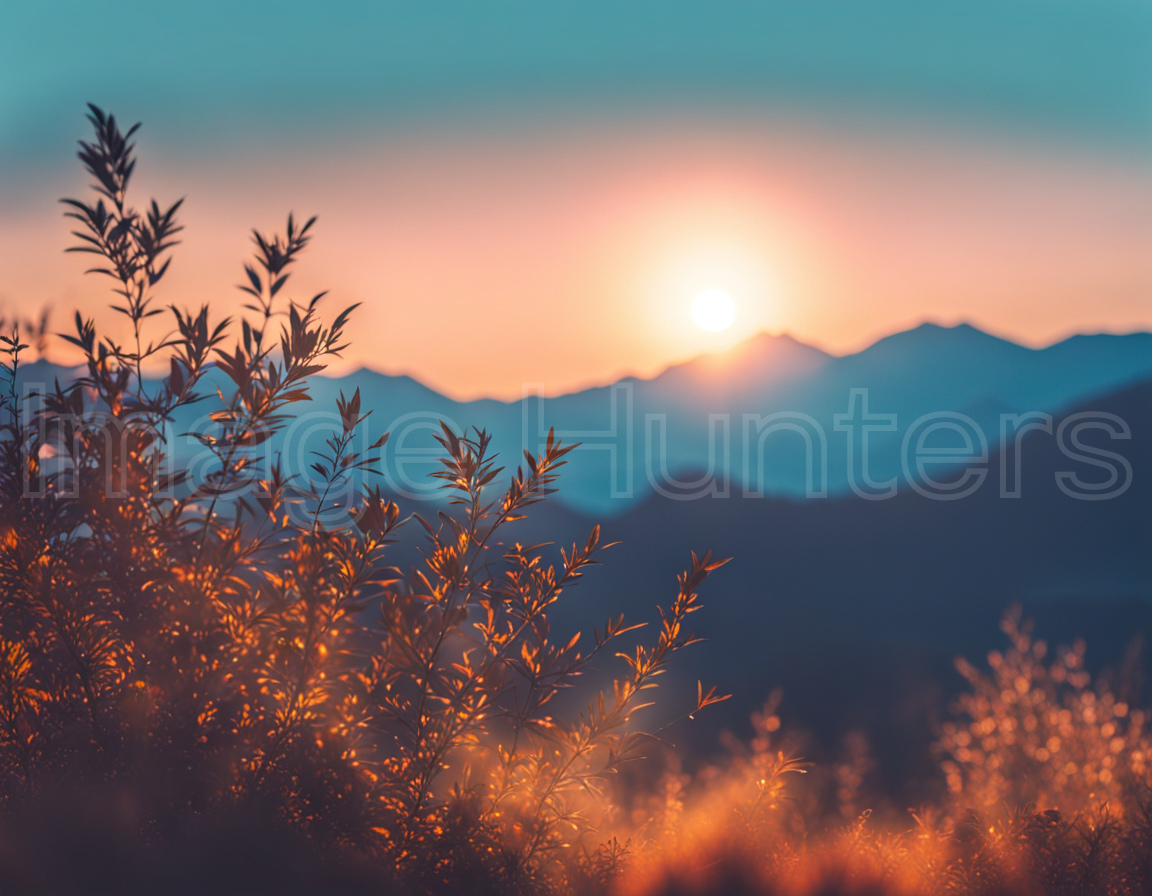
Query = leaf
x=254 y=279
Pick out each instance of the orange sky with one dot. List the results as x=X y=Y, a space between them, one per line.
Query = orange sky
x=565 y=255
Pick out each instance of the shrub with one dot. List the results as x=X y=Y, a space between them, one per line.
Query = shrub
x=210 y=665
x=1018 y=819
x=1044 y=733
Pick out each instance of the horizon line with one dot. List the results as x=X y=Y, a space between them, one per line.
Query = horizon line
x=566 y=391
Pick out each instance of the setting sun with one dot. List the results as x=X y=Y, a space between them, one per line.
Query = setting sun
x=713 y=310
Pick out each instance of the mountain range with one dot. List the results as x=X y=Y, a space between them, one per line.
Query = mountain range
x=855 y=607
x=687 y=431
x=640 y=436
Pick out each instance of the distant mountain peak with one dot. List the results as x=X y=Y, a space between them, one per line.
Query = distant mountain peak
x=758 y=347
x=758 y=359
x=934 y=337
x=932 y=329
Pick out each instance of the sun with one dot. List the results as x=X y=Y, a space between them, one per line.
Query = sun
x=713 y=310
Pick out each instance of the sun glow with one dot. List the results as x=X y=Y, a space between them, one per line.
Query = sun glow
x=713 y=310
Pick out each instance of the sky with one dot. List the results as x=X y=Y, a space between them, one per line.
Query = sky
x=531 y=195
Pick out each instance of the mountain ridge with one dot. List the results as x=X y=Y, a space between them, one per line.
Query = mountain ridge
x=640 y=436
x=724 y=357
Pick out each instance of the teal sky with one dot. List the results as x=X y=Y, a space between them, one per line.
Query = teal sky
x=211 y=73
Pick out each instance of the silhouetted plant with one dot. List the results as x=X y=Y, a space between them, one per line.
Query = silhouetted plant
x=197 y=645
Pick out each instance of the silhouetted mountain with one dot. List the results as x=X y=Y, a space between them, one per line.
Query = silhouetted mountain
x=759 y=365
x=857 y=607
x=644 y=436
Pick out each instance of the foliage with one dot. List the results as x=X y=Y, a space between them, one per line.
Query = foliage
x=220 y=645
x=1044 y=734
x=1016 y=818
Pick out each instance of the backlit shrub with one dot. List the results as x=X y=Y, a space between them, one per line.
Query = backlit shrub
x=221 y=646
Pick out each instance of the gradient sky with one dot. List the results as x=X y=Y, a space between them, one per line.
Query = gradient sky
x=533 y=193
